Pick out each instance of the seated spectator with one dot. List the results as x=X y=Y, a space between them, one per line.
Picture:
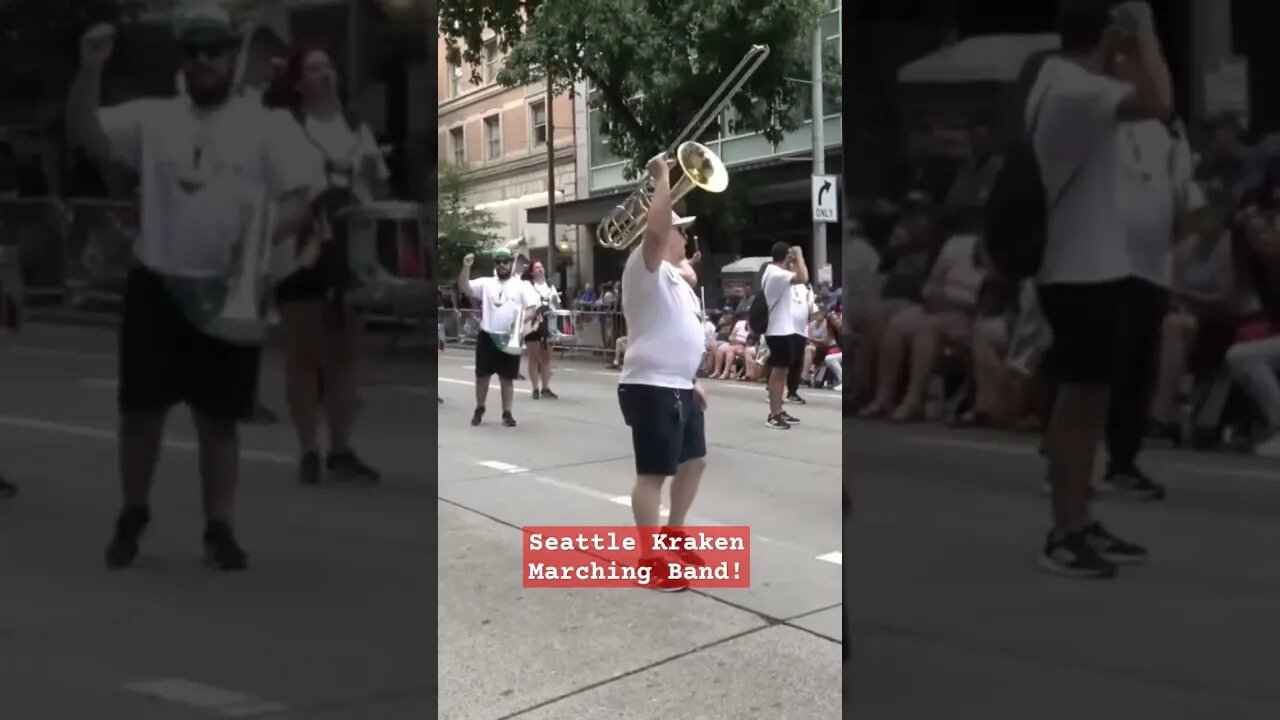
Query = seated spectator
x=723 y=353
x=1205 y=311
x=736 y=353
x=1008 y=339
x=818 y=340
x=1255 y=357
x=950 y=297
x=895 y=304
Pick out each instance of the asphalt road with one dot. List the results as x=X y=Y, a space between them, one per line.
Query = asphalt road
x=769 y=652
x=951 y=619
x=331 y=621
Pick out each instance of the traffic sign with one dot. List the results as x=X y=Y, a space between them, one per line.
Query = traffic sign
x=825 y=191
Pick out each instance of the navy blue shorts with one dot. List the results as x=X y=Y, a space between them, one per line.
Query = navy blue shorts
x=667 y=427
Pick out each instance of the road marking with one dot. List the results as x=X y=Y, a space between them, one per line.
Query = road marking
x=625 y=500
x=33 y=351
x=712 y=388
x=501 y=466
x=453 y=381
x=93 y=433
x=228 y=703
x=835 y=558
x=1006 y=448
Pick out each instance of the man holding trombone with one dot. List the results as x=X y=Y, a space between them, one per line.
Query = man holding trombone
x=507 y=304
x=658 y=393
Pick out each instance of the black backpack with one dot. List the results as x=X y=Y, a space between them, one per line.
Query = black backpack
x=1017 y=211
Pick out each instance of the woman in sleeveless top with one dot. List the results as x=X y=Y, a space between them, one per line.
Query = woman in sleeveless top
x=320 y=326
x=537 y=342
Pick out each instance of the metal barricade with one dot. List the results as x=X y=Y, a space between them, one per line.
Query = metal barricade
x=34 y=228
x=571 y=331
x=99 y=239
x=390 y=261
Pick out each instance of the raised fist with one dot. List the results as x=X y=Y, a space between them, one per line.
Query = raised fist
x=97 y=44
x=468 y=260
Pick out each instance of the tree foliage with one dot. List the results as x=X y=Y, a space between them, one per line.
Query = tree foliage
x=654 y=63
x=40 y=40
x=463 y=228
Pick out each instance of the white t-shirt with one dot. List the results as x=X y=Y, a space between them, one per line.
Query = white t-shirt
x=740 y=332
x=664 y=332
x=963 y=279
x=333 y=138
x=776 y=284
x=801 y=304
x=501 y=301
x=547 y=293
x=709 y=331
x=204 y=175
x=1077 y=134
x=1149 y=160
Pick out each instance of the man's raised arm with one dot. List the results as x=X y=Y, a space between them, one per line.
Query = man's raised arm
x=84 y=126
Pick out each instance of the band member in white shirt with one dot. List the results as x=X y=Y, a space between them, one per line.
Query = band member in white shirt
x=658 y=393
x=802 y=307
x=206 y=158
x=502 y=298
x=321 y=328
x=786 y=347
x=537 y=341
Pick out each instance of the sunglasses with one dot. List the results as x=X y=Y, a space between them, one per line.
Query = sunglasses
x=507 y=261
x=210 y=50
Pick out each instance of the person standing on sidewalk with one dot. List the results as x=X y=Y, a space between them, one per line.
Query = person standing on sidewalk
x=802 y=306
x=206 y=157
x=1105 y=314
x=784 y=338
x=659 y=394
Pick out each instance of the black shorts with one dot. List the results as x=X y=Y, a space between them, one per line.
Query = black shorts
x=782 y=348
x=667 y=427
x=1101 y=329
x=165 y=360
x=492 y=361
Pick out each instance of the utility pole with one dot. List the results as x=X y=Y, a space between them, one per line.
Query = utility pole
x=355 y=24
x=819 y=150
x=552 y=246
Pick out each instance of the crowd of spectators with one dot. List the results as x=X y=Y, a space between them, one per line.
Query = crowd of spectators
x=936 y=336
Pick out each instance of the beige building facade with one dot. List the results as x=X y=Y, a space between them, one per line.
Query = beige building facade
x=501 y=136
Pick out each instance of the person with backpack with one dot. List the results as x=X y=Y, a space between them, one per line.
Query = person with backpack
x=771 y=316
x=1064 y=210
x=320 y=325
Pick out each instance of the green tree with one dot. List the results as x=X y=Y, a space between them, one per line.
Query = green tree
x=40 y=41
x=463 y=229
x=653 y=63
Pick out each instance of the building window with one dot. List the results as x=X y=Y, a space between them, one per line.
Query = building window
x=455 y=80
x=601 y=154
x=492 y=61
x=538 y=122
x=458 y=146
x=493 y=136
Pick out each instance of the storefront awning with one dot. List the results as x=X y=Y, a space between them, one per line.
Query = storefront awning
x=587 y=211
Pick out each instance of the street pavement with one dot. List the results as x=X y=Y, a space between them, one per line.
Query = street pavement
x=331 y=621
x=951 y=619
x=769 y=652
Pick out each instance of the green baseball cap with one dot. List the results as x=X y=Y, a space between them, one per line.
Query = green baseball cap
x=201 y=23
x=502 y=254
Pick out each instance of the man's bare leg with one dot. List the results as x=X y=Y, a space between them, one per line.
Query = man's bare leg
x=219 y=444
x=139 y=447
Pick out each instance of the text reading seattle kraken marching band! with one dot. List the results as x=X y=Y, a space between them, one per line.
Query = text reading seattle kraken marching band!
x=609 y=557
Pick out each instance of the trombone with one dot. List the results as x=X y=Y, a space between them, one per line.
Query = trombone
x=699 y=166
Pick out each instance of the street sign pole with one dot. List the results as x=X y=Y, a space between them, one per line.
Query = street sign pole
x=552 y=248
x=819 y=152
